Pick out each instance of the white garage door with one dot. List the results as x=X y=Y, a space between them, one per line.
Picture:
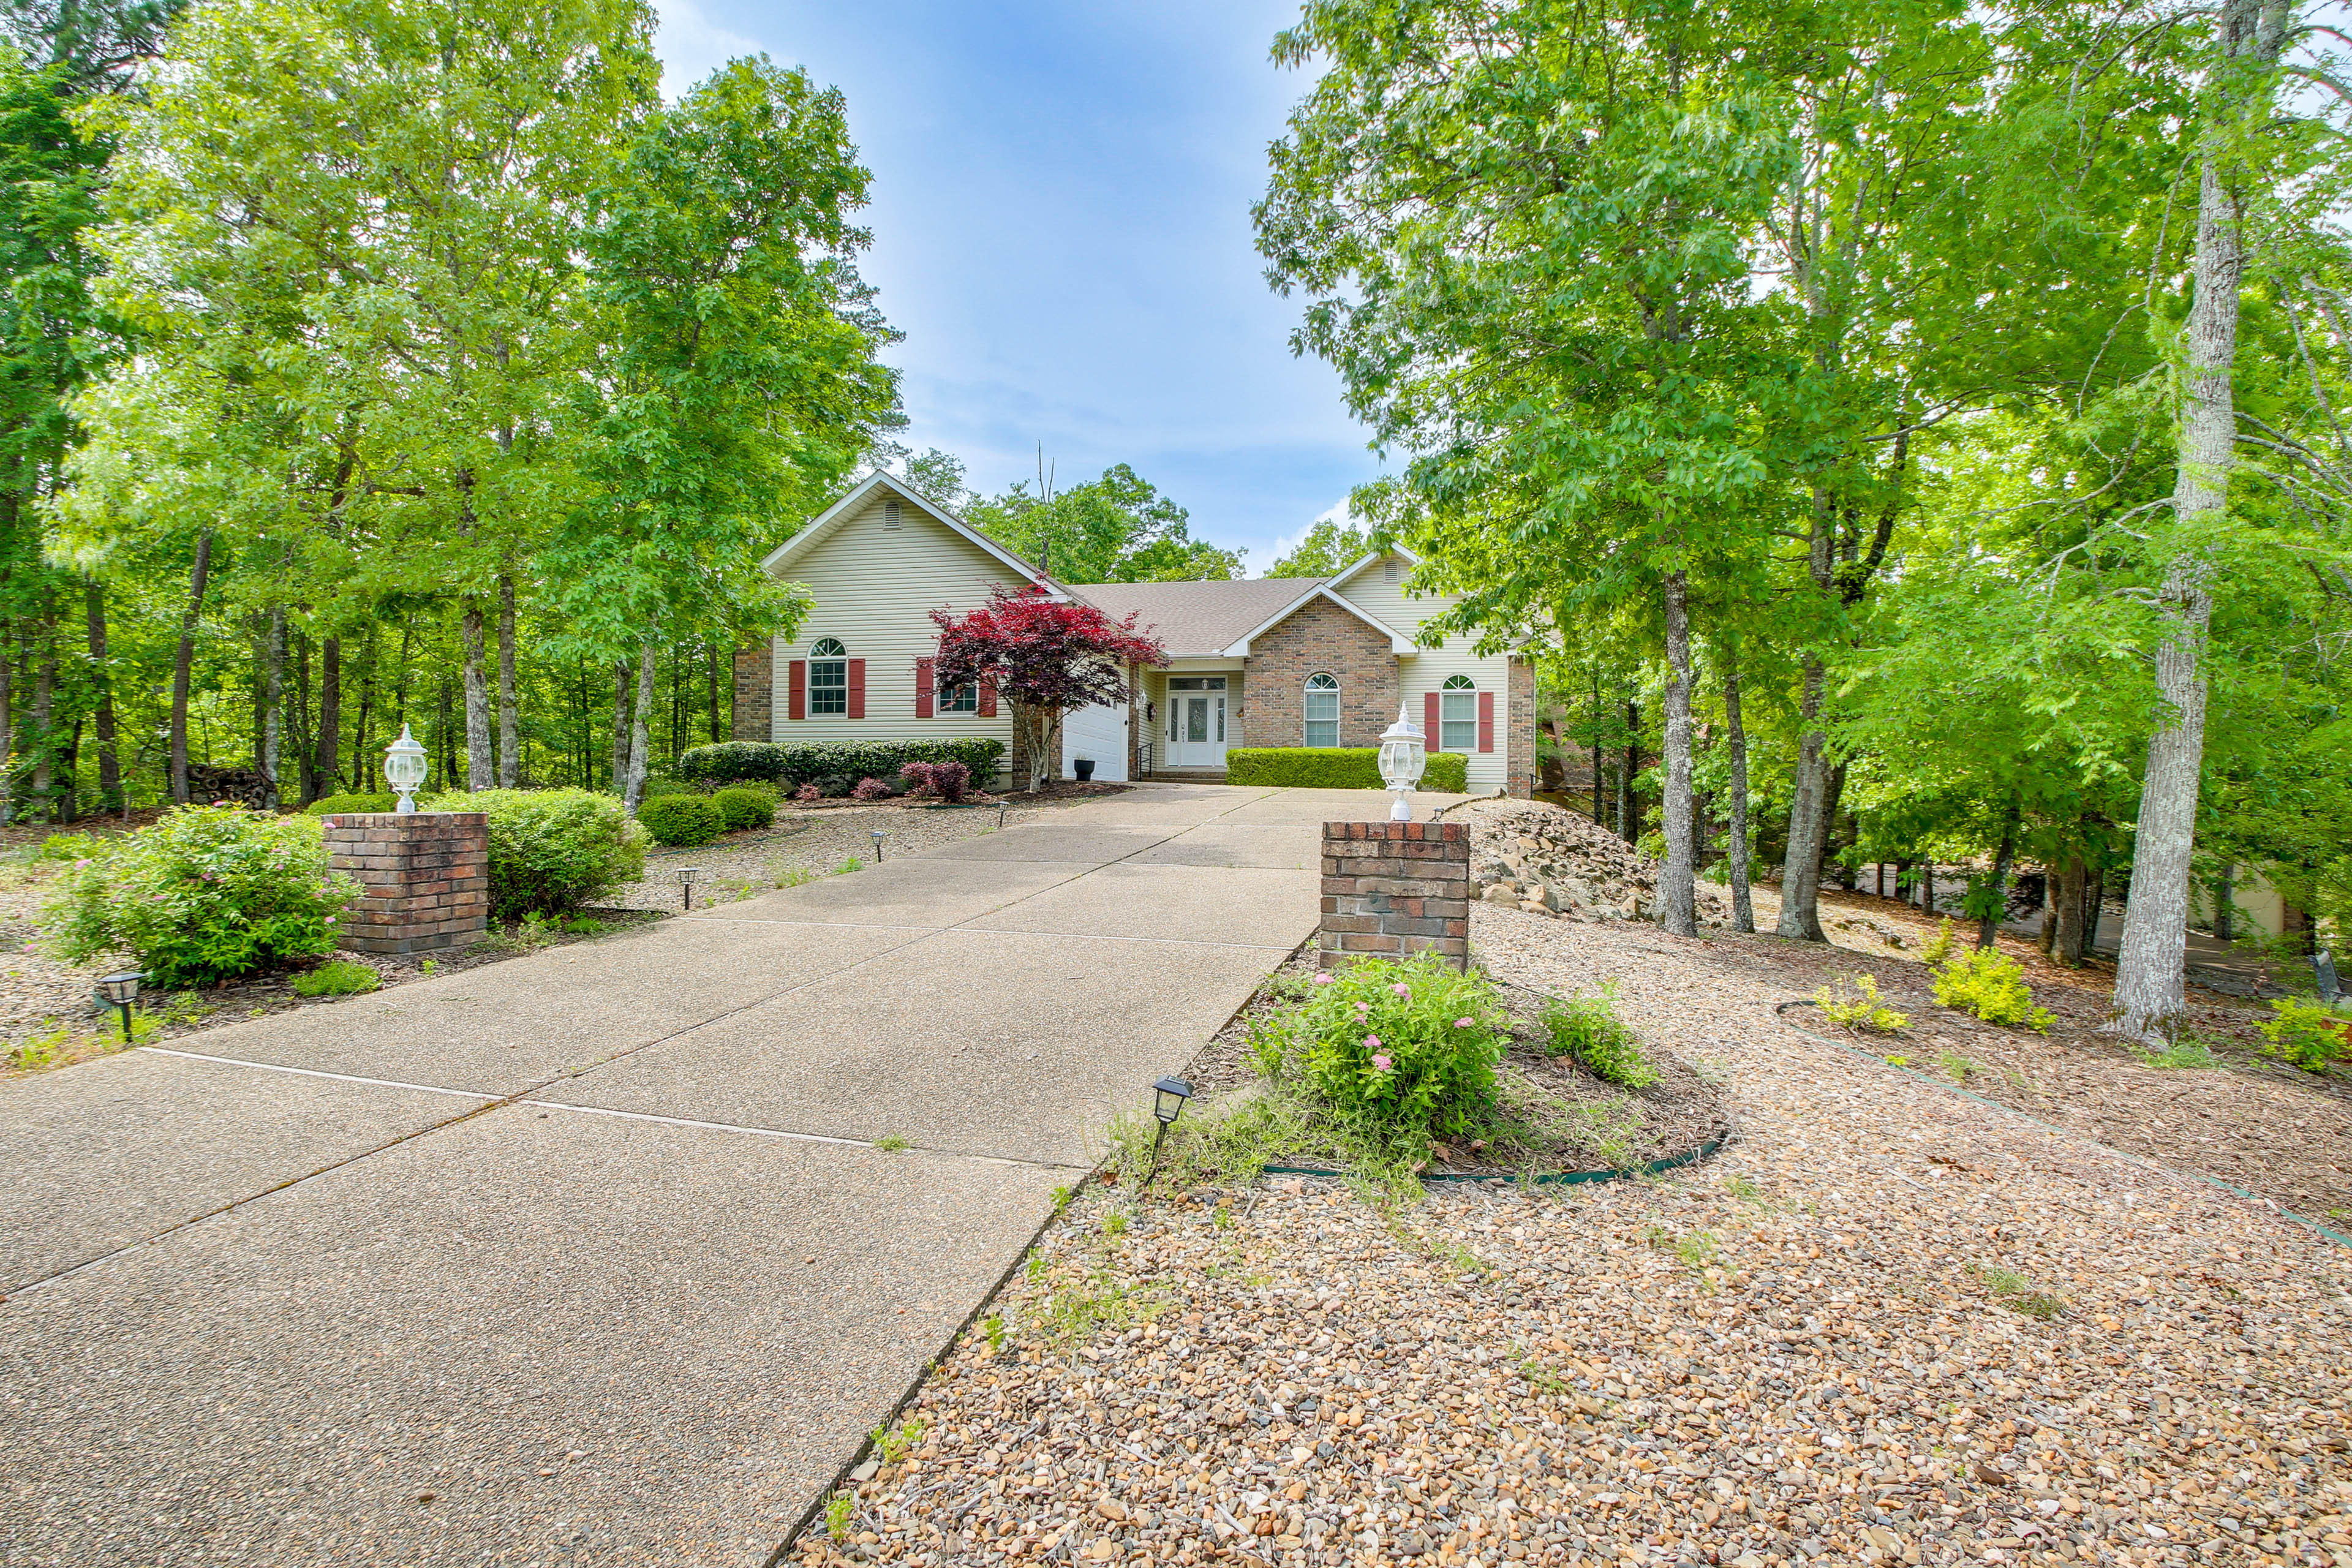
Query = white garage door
x=1099 y=734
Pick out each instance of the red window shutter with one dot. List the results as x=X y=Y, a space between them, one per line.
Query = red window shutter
x=796 y=700
x=923 y=688
x=857 y=688
x=1485 y=721
x=987 y=700
x=1432 y=733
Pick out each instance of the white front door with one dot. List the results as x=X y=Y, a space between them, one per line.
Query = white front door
x=1196 y=729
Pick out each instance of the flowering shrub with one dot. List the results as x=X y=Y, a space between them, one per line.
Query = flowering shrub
x=808 y=793
x=870 y=789
x=553 y=850
x=945 y=781
x=207 y=894
x=1397 y=1047
x=1992 y=985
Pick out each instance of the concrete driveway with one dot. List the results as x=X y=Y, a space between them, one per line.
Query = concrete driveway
x=589 y=1256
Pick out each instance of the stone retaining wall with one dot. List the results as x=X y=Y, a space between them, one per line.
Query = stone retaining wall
x=1394 y=889
x=425 y=878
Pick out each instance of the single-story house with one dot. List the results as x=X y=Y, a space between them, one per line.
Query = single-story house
x=1275 y=661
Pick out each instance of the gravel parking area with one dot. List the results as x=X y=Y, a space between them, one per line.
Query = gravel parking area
x=1889 y=1323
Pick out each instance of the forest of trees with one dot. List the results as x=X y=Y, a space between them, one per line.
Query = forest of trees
x=1929 y=419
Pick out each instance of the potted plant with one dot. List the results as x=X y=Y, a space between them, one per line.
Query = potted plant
x=1084 y=767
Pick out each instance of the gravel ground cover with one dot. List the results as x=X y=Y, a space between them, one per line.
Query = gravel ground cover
x=1890 y=1323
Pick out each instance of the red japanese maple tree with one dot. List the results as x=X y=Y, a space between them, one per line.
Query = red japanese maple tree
x=1046 y=658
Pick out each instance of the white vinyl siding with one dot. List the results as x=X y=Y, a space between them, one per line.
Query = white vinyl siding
x=1424 y=670
x=874 y=588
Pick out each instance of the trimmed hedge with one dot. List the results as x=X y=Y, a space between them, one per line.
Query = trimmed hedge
x=678 y=820
x=741 y=807
x=793 y=765
x=1338 y=767
x=326 y=805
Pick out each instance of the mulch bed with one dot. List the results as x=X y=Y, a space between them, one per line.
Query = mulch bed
x=1590 y=1125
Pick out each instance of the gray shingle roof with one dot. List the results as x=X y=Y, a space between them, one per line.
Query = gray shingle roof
x=1192 y=619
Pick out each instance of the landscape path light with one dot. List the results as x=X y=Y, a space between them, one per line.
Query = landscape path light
x=1405 y=754
x=119 y=992
x=877 y=846
x=686 y=876
x=404 y=766
x=1168 y=1098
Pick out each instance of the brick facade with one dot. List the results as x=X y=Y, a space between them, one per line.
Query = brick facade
x=1520 y=730
x=1393 y=889
x=425 y=878
x=755 y=680
x=1319 y=637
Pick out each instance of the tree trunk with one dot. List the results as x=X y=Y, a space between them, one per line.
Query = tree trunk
x=183 y=665
x=481 y=771
x=1989 y=924
x=2070 y=942
x=621 y=674
x=2148 y=1000
x=1743 y=911
x=1597 y=807
x=640 y=737
x=1677 y=899
x=110 y=763
x=45 y=697
x=510 y=720
x=367 y=704
x=327 y=764
x=273 y=694
x=1801 y=868
x=1629 y=816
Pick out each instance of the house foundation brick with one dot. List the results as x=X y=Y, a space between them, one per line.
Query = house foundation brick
x=1319 y=638
x=425 y=878
x=1394 y=889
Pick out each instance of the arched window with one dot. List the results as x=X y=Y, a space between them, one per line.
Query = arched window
x=828 y=678
x=1458 y=715
x=1322 y=710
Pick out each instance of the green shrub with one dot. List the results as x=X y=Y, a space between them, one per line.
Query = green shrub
x=654 y=789
x=1336 y=767
x=340 y=978
x=1399 y=1048
x=1939 y=948
x=2304 y=1033
x=1992 y=985
x=741 y=808
x=792 y=766
x=70 y=846
x=680 y=819
x=328 y=804
x=1857 y=1005
x=1588 y=1028
x=207 y=894
x=553 y=850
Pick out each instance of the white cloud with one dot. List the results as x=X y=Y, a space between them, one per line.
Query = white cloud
x=690 y=45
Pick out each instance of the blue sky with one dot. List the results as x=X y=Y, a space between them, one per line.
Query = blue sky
x=1061 y=228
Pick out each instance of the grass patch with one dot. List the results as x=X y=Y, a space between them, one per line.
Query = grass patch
x=2016 y=1293
x=891 y=1144
x=1588 y=1030
x=1954 y=1066
x=339 y=978
x=2187 y=1054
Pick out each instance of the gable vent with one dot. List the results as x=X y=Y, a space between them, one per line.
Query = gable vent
x=1392 y=569
x=891 y=515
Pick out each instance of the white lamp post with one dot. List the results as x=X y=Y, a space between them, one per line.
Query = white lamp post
x=1403 y=754
x=404 y=769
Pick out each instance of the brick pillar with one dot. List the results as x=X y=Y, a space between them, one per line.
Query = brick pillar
x=755 y=679
x=425 y=878
x=1393 y=889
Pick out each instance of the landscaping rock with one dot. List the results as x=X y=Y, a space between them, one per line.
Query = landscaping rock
x=1546 y=859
